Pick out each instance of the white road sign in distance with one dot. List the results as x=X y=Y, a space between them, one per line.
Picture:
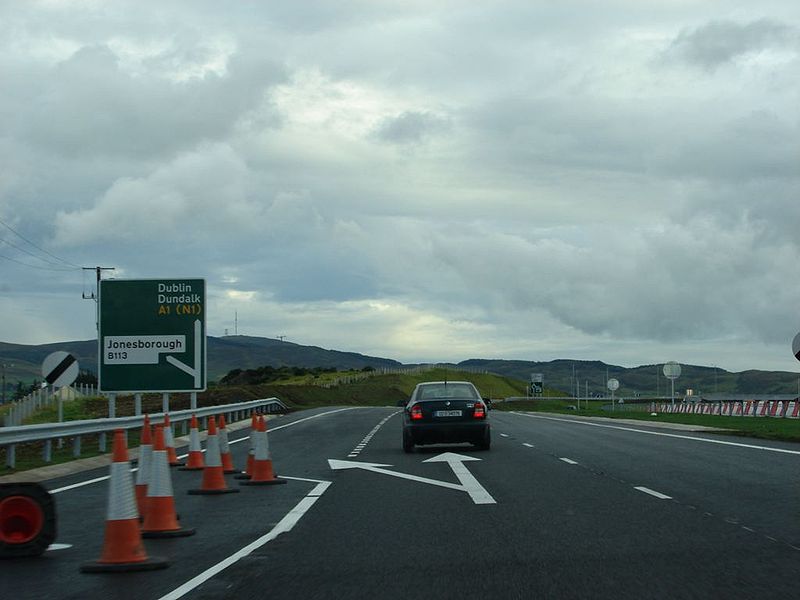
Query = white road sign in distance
x=60 y=369
x=613 y=385
x=796 y=346
x=672 y=370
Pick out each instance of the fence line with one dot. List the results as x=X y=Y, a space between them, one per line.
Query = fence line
x=26 y=406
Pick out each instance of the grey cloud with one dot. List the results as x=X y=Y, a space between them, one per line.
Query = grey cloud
x=87 y=106
x=574 y=197
x=410 y=127
x=719 y=42
x=715 y=141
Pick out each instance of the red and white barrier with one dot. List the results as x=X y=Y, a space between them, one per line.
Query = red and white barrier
x=749 y=409
x=726 y=409
x=793 y=410
x=761 y=408
x=776 y=409
x=717 y=409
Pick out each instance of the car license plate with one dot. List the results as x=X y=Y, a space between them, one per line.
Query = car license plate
x=447 y=413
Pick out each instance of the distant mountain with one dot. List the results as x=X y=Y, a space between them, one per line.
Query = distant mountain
x=245 y=352
x=224 y=354
x=642 y=380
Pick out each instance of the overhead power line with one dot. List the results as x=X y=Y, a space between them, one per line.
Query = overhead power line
x=41 y=268
x=29 y=253
x=50 y=254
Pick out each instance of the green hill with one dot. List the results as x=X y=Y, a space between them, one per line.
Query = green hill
x=224 y=354
x=645 y=380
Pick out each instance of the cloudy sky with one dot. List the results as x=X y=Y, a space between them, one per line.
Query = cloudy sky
x=425 y=181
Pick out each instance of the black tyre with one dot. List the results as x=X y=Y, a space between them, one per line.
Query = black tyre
x=486 y=442
x=408 y=442
x=27 y=520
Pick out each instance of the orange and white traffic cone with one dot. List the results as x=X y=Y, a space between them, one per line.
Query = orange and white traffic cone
x=169 y=440
x=143 y=473
x=213 y=478
x=195 y=460
x=248 y=472
x=224 y=448
x=122 y=547
x=160 y=519
x=262 y=463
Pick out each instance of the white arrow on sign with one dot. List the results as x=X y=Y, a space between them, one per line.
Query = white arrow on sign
x=468 y=484
x=198 y=357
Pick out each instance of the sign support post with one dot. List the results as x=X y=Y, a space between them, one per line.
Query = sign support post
x=612 y=385
x=672 y=371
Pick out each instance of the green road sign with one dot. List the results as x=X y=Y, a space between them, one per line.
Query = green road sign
x=152 y=335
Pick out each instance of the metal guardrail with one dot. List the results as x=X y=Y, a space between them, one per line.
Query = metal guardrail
x=47 y=432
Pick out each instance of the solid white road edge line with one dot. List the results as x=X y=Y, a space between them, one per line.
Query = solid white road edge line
x=658 y=495
x=569 y=461
x=73 y=486
x=672 y=435
x=284 y=525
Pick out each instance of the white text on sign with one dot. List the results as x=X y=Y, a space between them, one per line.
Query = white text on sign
x=140 y=349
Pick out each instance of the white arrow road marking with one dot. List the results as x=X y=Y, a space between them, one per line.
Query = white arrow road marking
x=475 y=490
x=469 y=484
x=195 y=373
x=337 y=465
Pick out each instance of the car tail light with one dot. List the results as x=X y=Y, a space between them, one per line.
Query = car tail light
x=416 y=412
x=480 y=411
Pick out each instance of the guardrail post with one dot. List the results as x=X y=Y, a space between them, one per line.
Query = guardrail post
x=11 y=456
x=47 y=451
x=137 y=404
x=101 y=442
x=76 y=446
x=183 y=427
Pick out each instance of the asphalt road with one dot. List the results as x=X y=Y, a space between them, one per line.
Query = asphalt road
x=556 y=509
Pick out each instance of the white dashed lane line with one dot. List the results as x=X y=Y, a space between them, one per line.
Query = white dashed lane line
x=569 y=461
x=503 y=435
x=526 y=444
x=653 y=493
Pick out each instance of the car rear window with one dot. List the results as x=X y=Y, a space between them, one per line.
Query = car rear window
x=451 y=390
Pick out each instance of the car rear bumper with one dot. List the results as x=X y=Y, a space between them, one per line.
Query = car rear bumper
x=443 y=433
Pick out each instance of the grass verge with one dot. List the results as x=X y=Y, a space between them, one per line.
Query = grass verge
x=786 y=430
